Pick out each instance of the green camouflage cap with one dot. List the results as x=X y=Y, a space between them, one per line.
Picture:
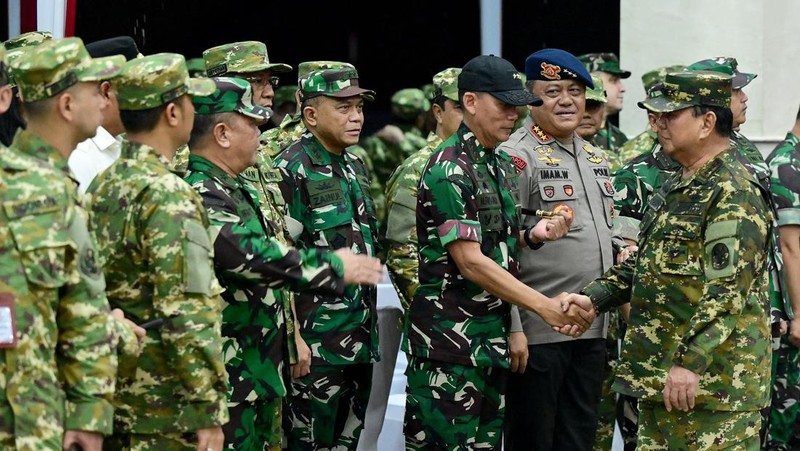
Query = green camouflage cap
x=603 y=62
x=231 y=95
x=690 y=88
x=342 y=82
x=427 y=88
x=725 y=65
x=155 y=80
x=196 y=67
x=655 y=76
x=284 y=94
x=445 y=83
x=28 y=39
x=240 y=57
x=47 y=69
x=306 y=67
x=11 y=56
x=598 y=93
x=409 y=103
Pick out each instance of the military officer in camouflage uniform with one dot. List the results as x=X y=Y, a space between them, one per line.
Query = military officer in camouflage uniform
x=606 y=65
x=592 y=119
x=696 y=352
x=151 y=232
x=254 y=268
x=326 y=191
x=553 y=404
x=468 y=227
x=57 y=345
x=784 y=162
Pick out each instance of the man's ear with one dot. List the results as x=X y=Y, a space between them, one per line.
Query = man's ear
x=709 y=122
x=468 y=102
x=172 y=113
x=6 y=94
x=222 y=135
x=65 y=105
x=105 y=89
x=310 y=115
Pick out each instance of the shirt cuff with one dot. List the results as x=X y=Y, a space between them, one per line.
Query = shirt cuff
x=692 y=359
x=788 y=216
x=92 y=416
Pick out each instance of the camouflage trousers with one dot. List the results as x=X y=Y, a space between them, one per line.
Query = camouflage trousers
x=696 y=430
x=254 y=426
x=783 y=412
x=176 y=441
x=326 y=407
x=453 y=407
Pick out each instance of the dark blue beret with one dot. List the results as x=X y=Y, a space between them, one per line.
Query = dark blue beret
x=556 y=64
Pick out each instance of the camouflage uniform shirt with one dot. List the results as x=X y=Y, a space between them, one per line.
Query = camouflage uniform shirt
x=467 y=192
x=610 y=139
x=400 y=227
x=254 y=268
x=639 y=144
x=698 y=290
x=60 y=375
x=328 y=195
x=151 y=232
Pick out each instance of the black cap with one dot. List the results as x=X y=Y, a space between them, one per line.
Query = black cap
x=120 y=45
x=498 y=77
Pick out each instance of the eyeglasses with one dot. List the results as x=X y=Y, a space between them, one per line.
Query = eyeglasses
x=261 y=81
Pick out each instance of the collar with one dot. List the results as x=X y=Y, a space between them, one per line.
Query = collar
x=433 y=140
x=474 y=150
x=214 y=172
x=664 y=161
x=29 y=144
x=103 y=139
x=706 y=173
x=132 y=150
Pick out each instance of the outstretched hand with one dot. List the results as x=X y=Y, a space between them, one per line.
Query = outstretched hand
x=360 y=269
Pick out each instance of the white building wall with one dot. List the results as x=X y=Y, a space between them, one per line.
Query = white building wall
x=763 y=35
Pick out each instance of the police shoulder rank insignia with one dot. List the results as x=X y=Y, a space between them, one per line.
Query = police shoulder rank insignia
x=540 y=134
x=593 y=157
x=519 y=163
x=550 y=71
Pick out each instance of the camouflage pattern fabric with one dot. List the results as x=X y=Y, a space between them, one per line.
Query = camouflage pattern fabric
x=657 y=75
x=697 y=429
x=57 y=64
x=29 y=39
x=156 y=80
x=634 y=184
x=703 y=247
x=466 y=192
x=610 y=138
x=158 y=261
x=783 y=162
x=603 y=62
x=240 y=57
x=453 y=406
x=255 y=425
x=255 y=269
x=180 y=161
x=337 y=82
x=690 y=88
x=409 y=103
x=60 y=374
x=638 y=145
x=399 y=231
x=168 y=441
x=725 y=64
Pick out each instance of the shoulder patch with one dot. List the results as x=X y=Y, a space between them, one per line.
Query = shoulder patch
x=519 y=163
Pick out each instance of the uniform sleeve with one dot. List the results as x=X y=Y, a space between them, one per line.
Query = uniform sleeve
x=613 y=288
x=451 y=199
x=293 y=194
x=177 y=248
x=628 y=202
x=734 y=253
x=400 y=239
x=242 y=253
x=785 y=186
x=86 y=356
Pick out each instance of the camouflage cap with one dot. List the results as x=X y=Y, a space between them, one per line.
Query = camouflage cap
x=240 y=57
x=284 y=94
x=603 y=62
x=342 y=82
x=11 y=56
x=655 y=76
x=196 y=67
x=306 y=67
x=155 y=80
x=690 y=88
x=428 y=88
x=47 y=69
x=231 y=95
x=409 y=103
x=28 y=39
x=445 y=83
x=598 y=93
x=725 y=65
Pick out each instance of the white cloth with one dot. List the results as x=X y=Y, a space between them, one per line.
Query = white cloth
x=93 y=156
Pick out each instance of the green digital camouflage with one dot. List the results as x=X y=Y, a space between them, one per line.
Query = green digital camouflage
x=655 y=76
x=59 y=374
x=445 y=83
x=690 y=88
x=240 y=57
x=697 y=429
x=180 y=161
x=306 y=67
x=453 y=406
x=724 y=64
x=155 y=80
x=603 y=62
x=635 y=183
x=409 y=103
x=700 y=281
x=399 y=231
x=255 y=270
x=55 y=65
x=466 y=192
x=28 y=39
x=783 y=162
x=151 y=230
x=598 y=93
x=337 y=82
x=196 y=67
x=638 y=145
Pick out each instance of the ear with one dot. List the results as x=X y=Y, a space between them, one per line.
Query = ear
x=5 y=98
x=65 y=105
x=438 y=112
x=105 y=89
x=222 y=134
x=310 y=115
x=469 y=102
x=172 y=113
x=708 y=124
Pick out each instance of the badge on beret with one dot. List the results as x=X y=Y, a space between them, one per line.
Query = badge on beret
x=550 y=71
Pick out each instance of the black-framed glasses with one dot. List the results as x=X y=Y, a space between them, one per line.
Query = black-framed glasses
x=261 y=81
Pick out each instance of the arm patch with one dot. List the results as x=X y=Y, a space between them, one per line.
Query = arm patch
x=721 y=249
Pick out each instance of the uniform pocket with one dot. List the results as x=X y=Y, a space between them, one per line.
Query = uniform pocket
x=198 y=272
x=681 y=249
x=553 y=193
x=43 y=242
